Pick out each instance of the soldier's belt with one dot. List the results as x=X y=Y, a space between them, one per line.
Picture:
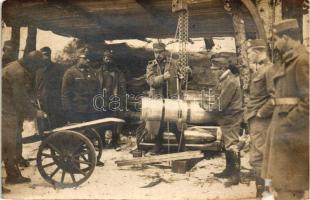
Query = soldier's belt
x=285 y=101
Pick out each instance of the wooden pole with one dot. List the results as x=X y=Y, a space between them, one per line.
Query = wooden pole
x=15 y=38
x=31 y=40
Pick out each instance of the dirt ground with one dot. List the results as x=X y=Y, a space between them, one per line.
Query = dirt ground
x=113 y=182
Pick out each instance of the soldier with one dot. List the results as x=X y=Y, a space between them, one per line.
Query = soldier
x=229 y=117
x=8 y=53
x=113 y=85
x=79 y=86
x=259 y=108
x=48 y=90
x=286 y=158
x=17 y=105
x=161 y=76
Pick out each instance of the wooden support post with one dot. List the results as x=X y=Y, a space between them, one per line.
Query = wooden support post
x=31 y=40
x=15 y=38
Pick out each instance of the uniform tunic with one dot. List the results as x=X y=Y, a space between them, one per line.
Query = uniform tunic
x=230 y=113
x=261 y=91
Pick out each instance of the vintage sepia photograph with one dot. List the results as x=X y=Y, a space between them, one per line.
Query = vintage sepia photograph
x=155 y=99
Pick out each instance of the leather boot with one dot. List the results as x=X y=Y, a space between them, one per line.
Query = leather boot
x=157 y=149
x=23 y=162
x=14 y=175
x=260 y=186
x=227 y=171
x=234 y=179
x=5 y=190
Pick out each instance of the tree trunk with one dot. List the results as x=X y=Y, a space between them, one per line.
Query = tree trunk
x=240 y=40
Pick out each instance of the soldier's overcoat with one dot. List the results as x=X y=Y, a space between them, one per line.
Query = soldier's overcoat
x=17 y=104
x=286 y=158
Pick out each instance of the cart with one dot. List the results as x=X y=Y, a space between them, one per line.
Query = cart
x=67 y=156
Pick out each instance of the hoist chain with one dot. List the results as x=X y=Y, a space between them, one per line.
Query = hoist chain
x=182 y=36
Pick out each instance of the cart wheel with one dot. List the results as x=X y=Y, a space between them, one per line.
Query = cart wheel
x=95 y=138
x=66 y=153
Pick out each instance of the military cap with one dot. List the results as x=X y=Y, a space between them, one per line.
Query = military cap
x=159 y=46
x=46 y=50
x=258 y=43
x=285 y=25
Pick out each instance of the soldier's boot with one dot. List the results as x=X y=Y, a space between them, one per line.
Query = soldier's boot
x=23 y=162
x=14 y=175
x=227 y=171
x=115 y=139
x=234 y=179
x=260 y=186
x=157 y=149
x=5 y=190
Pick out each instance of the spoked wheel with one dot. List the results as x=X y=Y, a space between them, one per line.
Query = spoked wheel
x=96 y=140
x=66 y=159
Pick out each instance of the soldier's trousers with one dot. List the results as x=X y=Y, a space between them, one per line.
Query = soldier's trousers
x=10 y=131
x=230 y=136
x=258 y=130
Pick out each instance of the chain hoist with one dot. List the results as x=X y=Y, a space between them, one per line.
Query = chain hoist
x=182 y=36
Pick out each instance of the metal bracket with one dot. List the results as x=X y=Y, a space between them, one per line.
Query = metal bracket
x=179 y=5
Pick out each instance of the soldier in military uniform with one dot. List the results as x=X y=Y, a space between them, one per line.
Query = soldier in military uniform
x=48 y=90
x=259 y=108
x=79 y=86
x=286 y=157
x=113 y=84
x=161 y=76
x=229 y=117
x=17 y=106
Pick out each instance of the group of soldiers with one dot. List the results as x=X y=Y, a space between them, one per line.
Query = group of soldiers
x=34 y=87
x=277 y=112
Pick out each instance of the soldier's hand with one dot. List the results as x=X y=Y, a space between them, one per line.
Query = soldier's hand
x=167 y=75
x=258 y=115
x=41 y=114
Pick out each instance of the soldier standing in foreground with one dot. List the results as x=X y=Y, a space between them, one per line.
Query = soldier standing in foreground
x=259 y=108
x=17 y=105
x=161 y=76
x=229 y=117
x=286 y=158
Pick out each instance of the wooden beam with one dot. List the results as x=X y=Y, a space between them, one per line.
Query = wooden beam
x=158 y=16
x=161 y=158
x=72 y=6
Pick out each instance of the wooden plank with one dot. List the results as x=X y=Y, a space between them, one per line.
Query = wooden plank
x=213 y=146
x=98 y=122
x=161 y=158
